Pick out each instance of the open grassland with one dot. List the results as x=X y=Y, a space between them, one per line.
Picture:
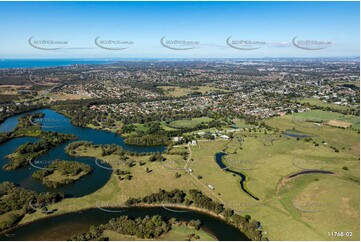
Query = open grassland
x=324 y=116
x=343 y=139
x=241 y=123
x=324 y=203
x=189 y=123
x=319 y=115
x=174 y=91
x=319 y=103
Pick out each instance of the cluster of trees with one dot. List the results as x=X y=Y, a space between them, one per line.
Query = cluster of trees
x=112 y=149
x=5 y=136
x=143 y=228
x=251 y=228
x=69 y=170
x=24 y=126
x=28 y=151
x=174 y=196
x=196 y=224
x=202 y=201
x=14 y=198
x=8 y=98
x=147 y=139
x=156 y=157
x=70 y=148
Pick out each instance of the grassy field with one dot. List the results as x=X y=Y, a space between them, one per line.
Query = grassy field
x=166 y=127
x=323 y=116
x=174 y=91
x=189 y=123
x=319 y=103
x=342 y=139
x=319 y=115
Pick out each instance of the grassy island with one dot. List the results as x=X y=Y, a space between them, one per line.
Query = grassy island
x=62 y=172
x=28 y=151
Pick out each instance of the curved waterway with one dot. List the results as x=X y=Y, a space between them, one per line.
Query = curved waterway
x=53 y=121
x=219 y=157
x=310 y=172
x=63 y=226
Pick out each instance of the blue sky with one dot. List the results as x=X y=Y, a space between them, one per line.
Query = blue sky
x=207 y=23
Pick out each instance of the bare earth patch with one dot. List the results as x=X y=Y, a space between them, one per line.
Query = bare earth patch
x=337 y=123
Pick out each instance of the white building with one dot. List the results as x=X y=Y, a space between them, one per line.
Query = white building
x=225 y=137
x=211 y=187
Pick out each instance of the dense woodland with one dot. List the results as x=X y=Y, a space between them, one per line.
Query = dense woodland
x=16 y=202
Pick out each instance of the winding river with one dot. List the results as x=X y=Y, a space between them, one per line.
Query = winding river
x=53 y=121
x=63 y=226
x=220 y=163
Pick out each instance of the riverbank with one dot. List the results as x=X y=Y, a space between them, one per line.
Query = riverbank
x=218 y=228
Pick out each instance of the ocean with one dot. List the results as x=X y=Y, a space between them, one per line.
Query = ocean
x=38 y=63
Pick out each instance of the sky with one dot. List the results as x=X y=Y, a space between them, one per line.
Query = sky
x=135 y=29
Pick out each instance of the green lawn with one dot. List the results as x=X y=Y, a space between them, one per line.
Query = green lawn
x=189 y=123
x=175 y=91
x=319 y=103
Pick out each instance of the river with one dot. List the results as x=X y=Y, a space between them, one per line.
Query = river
x=53 y=121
